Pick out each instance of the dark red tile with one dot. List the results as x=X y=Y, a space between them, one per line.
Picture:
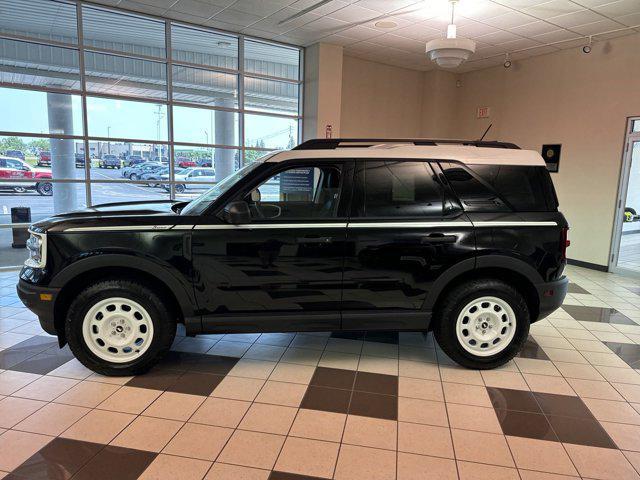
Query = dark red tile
x=525 y=424
x=508 y=399
x=597 y=314
x=562 y=405
x=290 y=476
x=582 y=431
x=629 y=353
x=376 y=383
x=326 y=399
x=531 y=349
x=195 y=383
x=58 y=460
x=333 y=377
x=156 y=379
x=116 y=463
x=374 y=405
x=42 y=363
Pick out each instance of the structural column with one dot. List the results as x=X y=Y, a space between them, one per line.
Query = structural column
x=60 y=112
x=225 y=134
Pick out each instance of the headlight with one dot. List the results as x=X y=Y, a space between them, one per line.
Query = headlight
x=37 y=248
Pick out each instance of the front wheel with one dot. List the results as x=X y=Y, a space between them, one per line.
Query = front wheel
x=45 y=189
x=482 y=324
x=180 y=188
x=119 y=327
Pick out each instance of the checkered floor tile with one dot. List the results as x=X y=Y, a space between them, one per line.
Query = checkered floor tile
x=343 y=405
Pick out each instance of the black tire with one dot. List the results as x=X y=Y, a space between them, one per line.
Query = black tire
x=162 y=317
x=180 y=188
x=444 y=322
x=45 y=189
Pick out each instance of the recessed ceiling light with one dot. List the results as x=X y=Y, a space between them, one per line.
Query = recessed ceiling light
x=386 y=24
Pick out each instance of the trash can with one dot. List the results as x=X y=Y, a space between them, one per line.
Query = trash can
x=20 y=234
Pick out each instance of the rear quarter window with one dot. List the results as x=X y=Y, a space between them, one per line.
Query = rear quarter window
x=498 y=187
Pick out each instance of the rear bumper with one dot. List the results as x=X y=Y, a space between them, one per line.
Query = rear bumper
x=32 y=297
x=551 y=296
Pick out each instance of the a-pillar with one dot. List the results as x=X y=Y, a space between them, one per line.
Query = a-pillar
x=225 y=134
x=60 y=112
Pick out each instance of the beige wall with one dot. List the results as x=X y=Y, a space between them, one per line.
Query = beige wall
x=581 y=101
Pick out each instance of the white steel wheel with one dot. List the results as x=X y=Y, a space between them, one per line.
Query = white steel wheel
x=486 y=326
x=117 y=330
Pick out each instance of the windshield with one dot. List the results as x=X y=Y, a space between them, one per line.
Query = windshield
x=199 y=204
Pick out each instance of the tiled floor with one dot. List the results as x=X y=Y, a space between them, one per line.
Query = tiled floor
x=630 y=252
x=334 y=405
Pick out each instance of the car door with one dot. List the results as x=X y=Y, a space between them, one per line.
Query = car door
x=403 y=234
x=282 y=269
x=16 y=170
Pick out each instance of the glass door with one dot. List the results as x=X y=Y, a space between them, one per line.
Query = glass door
x=625 y=256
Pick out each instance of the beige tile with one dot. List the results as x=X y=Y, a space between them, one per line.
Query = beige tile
x=318 y=425
x=455 y=374
x=52 y=419
x=72 y=369
x=634 y=459
x=631 y=393
x=302 y=456
x=200 y=441
x=467 y=417
x=221 y=412
x=241 y=449
x=282 y=393
x=16 y=447
x=98 y=426
x=46 y=388
x=147 y=433
x=601 y=463
x=268 y=418
x=419 y=388
x=577 y=370
x=130 y=400
x=248 y=368
x=11 y=381
x=424 y=440
x=426 y=371
x=621 y=375
x=541 y=455
x=478 y=471
x=293 y=373
x=626 y=437
x=339 y=360
x=169 y=466
x=237 y=388
x=426 y=412
x=174 y=406
x=370 y=432
x=503 y=379
x=96 y=377
x=303 y=356
x=222 y=471
x=564 y=355
x=87 y=394
x=531 y=475
x=13 y=410
x=421 y=467
x=381 y=365
x=362 y=463
x=466 y=394
x=547 y=384
x=481 y=447
x=611 y=411
x=594 y=389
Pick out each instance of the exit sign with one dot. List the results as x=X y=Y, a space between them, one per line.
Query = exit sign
x=484 y=112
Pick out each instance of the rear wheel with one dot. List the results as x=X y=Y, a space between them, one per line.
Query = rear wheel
x=180 y=188
x=44 y=188
x=119 y=327
x=482 y=323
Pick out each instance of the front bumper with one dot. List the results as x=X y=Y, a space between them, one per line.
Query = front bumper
x=551 y=296
x=40 y=300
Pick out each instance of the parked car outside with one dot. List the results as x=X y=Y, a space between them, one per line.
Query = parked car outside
x=204 y=162
x=44 y=158
x=15 y=154
x=134 y=173
x=135 y=160
x=110 y=161
x=201 y=175
x=16 y=169
x=155 y=176
x=79 y=158
x=184 y=162
x=465 y=240
x=162 y=159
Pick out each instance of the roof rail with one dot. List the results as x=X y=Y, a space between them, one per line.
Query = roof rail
x=333 y=143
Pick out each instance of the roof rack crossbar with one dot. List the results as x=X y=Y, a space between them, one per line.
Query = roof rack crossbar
x=334 y=143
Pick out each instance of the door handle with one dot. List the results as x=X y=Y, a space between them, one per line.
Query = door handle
x=439 y=238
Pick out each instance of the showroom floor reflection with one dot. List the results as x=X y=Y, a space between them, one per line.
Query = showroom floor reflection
x=338 y=405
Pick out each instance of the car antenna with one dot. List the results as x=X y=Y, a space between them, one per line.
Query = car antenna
x=485 y=132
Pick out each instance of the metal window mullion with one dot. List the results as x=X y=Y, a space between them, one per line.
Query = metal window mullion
x=241 y=123
x=83 y=97
x=170 y=151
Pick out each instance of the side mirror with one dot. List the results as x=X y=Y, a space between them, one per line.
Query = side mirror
x=237 y=213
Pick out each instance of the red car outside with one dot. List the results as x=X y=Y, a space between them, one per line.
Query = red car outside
x=44 y=159
x=16 y=169
x=184 y=162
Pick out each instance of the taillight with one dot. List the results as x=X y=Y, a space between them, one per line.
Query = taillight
x=564 y=243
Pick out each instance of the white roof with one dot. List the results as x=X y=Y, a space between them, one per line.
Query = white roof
x=461 y=153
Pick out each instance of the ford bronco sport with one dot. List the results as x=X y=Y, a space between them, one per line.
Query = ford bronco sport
x=462 y=238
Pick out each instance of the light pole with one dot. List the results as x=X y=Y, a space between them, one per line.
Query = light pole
x=109 y=140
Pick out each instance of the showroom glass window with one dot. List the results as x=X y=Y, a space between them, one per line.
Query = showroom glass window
x=91 y=92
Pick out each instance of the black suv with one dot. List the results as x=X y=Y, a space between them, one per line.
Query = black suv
x=462 y=238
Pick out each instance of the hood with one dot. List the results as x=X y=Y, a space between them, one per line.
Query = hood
x=41 y=170
x=111 y=214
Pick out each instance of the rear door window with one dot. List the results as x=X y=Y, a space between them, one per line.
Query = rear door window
x=395 y=188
